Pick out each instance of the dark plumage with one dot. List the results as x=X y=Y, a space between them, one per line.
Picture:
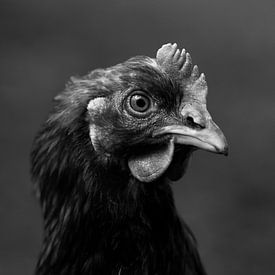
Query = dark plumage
x=101 y=162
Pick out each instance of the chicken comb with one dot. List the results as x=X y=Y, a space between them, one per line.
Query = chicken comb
x=178 y=65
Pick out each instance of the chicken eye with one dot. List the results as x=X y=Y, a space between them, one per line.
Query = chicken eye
x=140 y=103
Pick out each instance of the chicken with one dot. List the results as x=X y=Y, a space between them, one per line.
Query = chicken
x=104 y=160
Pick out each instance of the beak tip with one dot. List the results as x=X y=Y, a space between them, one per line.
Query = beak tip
x=225 y=151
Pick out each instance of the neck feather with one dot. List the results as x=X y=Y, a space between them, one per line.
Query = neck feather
x=100 y=220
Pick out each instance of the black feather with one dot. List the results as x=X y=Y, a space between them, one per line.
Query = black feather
x=98 y=219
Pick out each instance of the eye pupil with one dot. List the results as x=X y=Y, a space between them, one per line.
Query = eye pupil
x=141 y=103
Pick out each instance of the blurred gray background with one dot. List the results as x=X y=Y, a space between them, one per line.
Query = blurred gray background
x=228 y=202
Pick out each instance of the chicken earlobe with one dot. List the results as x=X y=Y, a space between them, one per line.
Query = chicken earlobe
x=147 y=167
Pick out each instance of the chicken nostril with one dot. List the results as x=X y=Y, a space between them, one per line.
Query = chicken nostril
x=194 y=124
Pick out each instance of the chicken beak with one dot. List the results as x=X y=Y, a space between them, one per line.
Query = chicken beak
x=209 y=138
